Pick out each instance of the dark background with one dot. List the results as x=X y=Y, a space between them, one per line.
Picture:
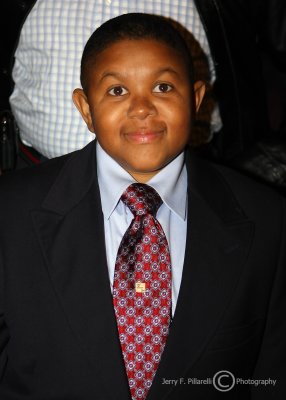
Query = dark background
x=12 y=14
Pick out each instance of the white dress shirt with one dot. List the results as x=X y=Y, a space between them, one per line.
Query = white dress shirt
x=47 y=65
x=171 y=184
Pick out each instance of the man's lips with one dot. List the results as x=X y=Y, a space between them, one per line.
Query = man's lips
x=144 y=135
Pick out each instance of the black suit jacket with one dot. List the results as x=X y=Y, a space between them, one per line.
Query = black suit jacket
x=58 y=334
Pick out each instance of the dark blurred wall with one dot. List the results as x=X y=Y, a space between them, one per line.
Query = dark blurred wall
x=12 y=14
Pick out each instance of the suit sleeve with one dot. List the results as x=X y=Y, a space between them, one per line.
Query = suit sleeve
x=271 y=362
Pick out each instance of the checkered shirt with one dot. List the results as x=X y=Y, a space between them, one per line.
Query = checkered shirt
x=47 y=66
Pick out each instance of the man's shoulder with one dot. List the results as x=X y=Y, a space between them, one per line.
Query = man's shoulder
x=32 y=184
x=225 y=189
x=246 y=186
x=40 y=175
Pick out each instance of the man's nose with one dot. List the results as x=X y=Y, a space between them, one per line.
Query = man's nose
x=141 y=107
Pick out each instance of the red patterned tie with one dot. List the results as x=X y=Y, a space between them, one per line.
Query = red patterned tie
x=142 y=289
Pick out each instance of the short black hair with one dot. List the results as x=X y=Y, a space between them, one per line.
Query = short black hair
x=133 y=26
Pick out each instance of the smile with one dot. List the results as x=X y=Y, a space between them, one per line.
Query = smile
x=145 y=136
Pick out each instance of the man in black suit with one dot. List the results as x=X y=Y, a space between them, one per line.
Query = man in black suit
x=58 y=330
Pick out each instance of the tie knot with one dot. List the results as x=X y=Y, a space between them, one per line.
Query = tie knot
x=141 y=199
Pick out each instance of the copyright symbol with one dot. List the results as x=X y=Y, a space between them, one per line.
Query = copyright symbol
x=223 y=381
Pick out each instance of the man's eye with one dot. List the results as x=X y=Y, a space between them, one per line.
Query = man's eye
x=162 y=88
x=117 y=91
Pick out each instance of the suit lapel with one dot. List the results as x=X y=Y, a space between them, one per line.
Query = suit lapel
x=70 y=231
x=218 y=240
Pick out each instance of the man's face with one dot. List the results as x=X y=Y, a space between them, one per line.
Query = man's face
x=138 y=103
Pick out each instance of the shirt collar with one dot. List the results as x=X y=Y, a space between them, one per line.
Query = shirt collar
x=170 y=183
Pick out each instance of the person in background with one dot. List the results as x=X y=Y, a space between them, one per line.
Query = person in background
x=47 y=62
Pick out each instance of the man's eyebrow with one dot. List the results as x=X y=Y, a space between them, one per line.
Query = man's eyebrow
x=162 y=71
x=112 y=74
x=118 y=75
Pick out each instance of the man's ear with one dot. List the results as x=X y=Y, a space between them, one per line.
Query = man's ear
x=81 y=103
x=199 y=92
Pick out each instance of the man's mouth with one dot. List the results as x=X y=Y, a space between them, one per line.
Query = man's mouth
x=144 y=136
